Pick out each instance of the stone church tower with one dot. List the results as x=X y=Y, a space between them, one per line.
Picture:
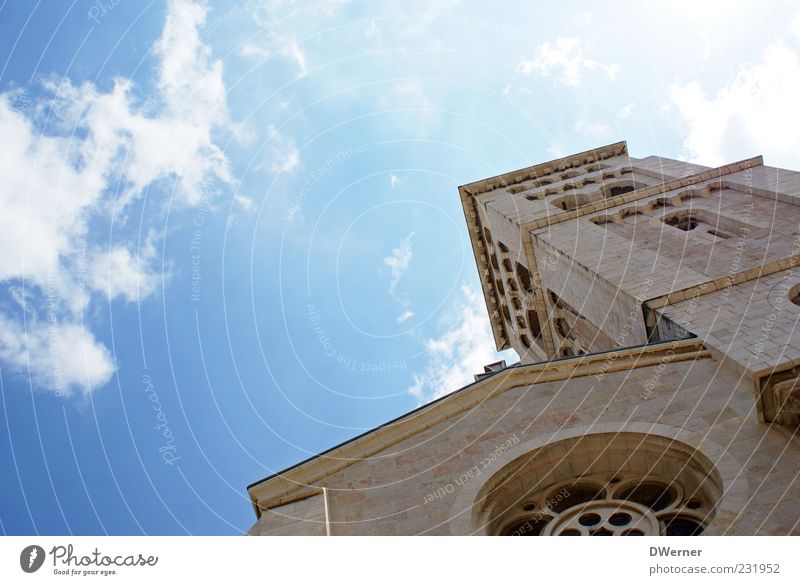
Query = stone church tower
x=654 y=304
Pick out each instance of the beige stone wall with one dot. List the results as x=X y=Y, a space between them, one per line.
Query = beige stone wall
x=302 y=517
x=412 y=487
x=753 y=324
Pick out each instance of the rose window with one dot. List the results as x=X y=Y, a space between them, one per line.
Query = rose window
x=604 y=484
x=616 y=507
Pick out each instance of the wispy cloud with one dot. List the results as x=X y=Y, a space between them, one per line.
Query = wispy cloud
x=59 y=173
x=563 y=60
x=398 y=261
x=405 y=316
x=458 y=354
x=276 y=45
x=283 y=154
x=626 y=110
x=394 y=180
x=245 y=203
x=372 y=32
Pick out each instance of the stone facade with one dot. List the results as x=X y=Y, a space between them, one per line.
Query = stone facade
x=654 y=304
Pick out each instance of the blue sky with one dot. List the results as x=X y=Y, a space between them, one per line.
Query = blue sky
x=231 y=235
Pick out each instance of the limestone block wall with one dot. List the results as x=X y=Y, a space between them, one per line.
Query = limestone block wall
x=614 y=311
x=305 y=516
x=755 y=324
x=423 y=484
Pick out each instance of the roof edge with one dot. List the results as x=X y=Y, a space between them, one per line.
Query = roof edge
x=269 y=491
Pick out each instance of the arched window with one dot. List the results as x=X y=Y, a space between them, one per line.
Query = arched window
x=534 y=324
x=685 y=220
x=626 y=484
x=524 y=278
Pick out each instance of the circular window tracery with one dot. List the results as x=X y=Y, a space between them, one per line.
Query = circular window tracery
x=610 y=505
x=622 y=484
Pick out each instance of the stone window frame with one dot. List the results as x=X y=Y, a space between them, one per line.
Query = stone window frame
x=468 y=511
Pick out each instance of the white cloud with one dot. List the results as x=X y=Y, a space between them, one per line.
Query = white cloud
x=72 y=156
x=58 y=356
x=564 y=61
x=118 y=272
x=750 y=115
x=393 y=181
x=283 y=154
x=293 y=52
x=285 y=14
x=246 y=203
x=399 y=261
x=460 y=353
x=254 y=51
x=405 y=316
x=796 y=25
x=372 y=32
x=284 y=45
x=626 y=110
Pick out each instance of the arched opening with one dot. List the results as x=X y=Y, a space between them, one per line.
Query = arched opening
x=686 y=221
x=604 y=484
x=524 y=278
x=533 y=323
x=619 y=190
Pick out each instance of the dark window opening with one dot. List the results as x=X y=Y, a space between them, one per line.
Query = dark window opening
x=525 y=278
x=534 y=324
x=659 y=203
x=620 y=190
x=683 y=222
